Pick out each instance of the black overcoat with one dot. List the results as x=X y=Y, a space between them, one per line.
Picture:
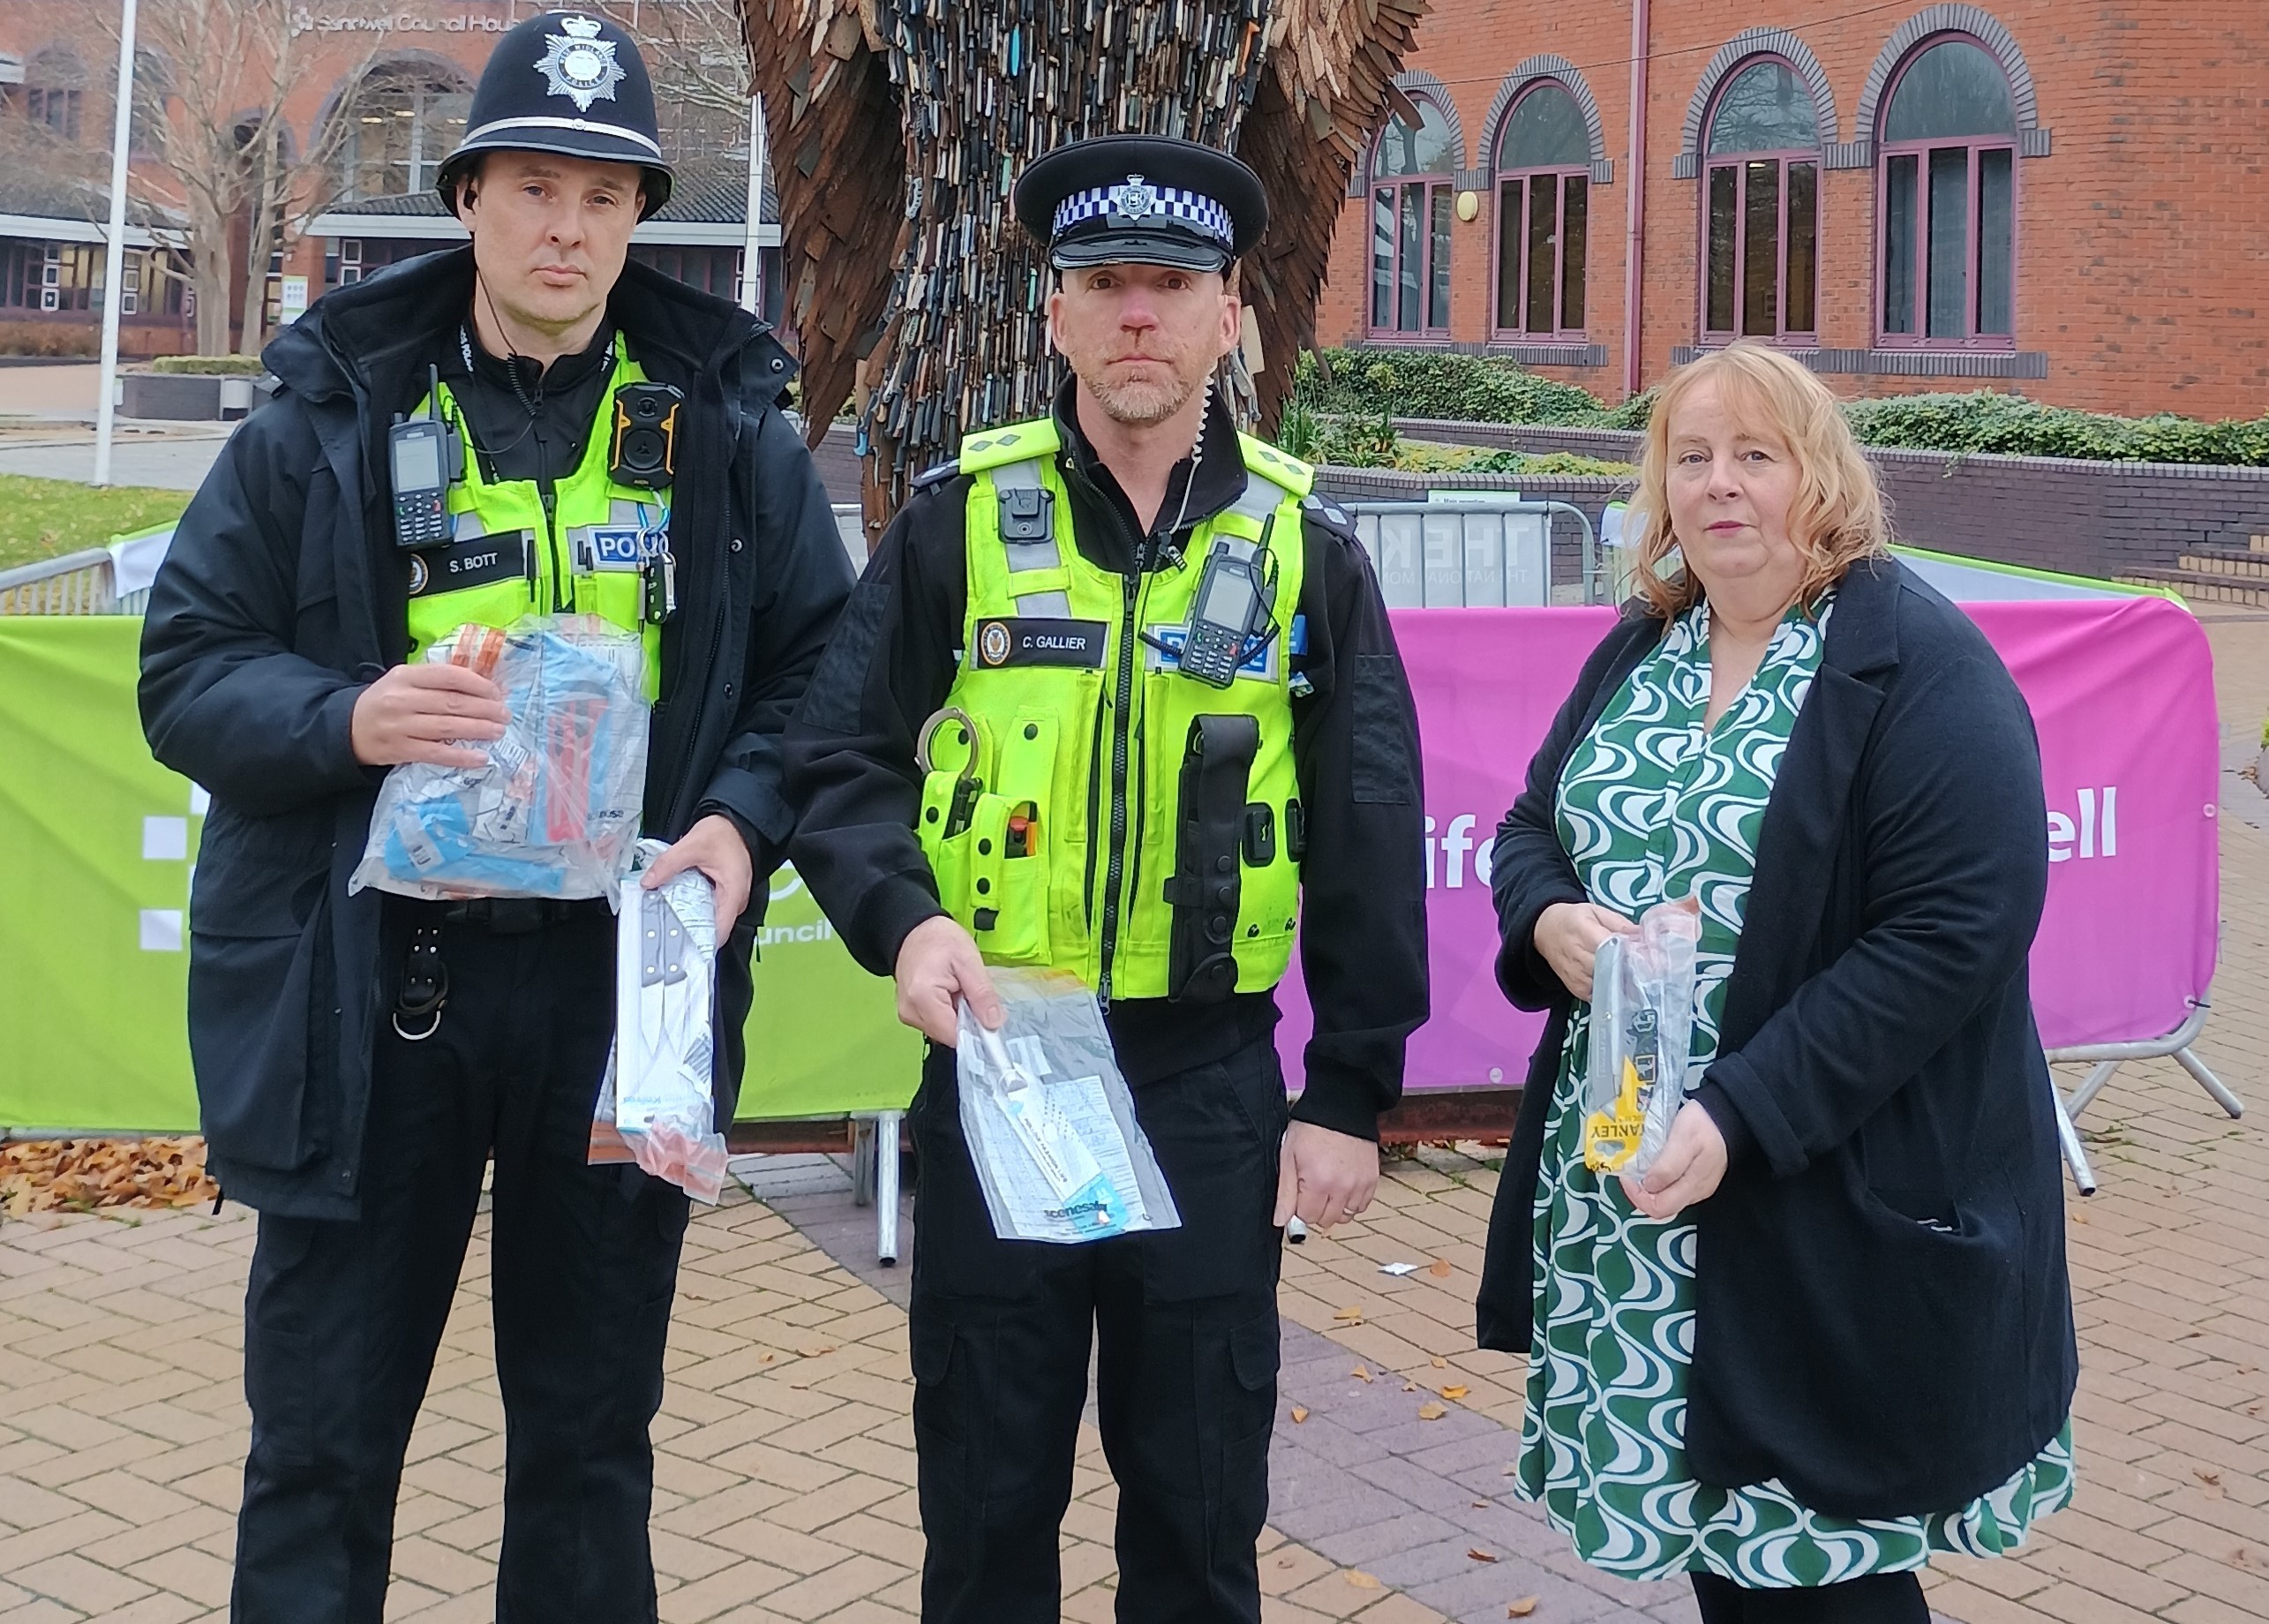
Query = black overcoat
x=282 y=597
x=1882 y=1318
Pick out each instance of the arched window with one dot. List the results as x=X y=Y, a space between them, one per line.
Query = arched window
x=1947 y=182
x=1544 y=196
x=401 y=123
x=54 y=85
x=1761 y=208
x=1410 y=179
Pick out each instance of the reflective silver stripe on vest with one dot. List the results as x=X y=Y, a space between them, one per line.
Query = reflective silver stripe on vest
x=1260 y=498
x=1026 y=556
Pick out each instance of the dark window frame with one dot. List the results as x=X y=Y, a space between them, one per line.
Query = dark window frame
x=1434 y=207
x=1919 y=337
x=1786 y=159
x=1514 y=190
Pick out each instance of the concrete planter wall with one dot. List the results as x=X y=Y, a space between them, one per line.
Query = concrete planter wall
x=2050 y=513
x=186 y=396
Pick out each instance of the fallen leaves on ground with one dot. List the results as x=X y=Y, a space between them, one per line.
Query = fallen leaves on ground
x=77 y=1176
x=1456 y=1390
x=1361 y=1373
x=1431 y=1412
x=1438 y=1363
x=1361 y=1580
x=1440 y=1268
x=1478 y=1555
x=2211 y=1479
x=1299 y=1413
x=1349 y=1316
x=1520 y=1609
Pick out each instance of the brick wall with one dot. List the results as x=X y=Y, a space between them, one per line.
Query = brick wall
x=2141 y=285
x=2050 y=513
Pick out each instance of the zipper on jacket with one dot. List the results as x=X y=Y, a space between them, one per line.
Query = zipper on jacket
x=1115 y=869
x=552 y=535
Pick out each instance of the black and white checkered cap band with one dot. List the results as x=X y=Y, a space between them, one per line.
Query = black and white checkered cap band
x=1135 y=199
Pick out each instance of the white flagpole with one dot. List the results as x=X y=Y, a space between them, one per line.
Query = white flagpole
x=114 y=252
x=751 y=255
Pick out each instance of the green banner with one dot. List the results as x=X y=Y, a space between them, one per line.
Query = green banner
x=98 y=841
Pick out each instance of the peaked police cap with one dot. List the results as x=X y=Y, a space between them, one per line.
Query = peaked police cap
x=564 y=82
x=1142 y=199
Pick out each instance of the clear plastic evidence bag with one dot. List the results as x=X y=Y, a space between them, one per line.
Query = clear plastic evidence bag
x=656 y=1107
x=1642 y=1025
x=1049 y=1122
x=554 y=811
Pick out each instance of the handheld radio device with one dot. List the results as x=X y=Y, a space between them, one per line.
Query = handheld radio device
x=423 y=456
x=1230 y=609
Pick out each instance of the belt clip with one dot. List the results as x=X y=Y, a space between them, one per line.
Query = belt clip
x=424 y=986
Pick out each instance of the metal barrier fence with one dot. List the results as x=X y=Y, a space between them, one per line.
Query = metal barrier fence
x=75 y=584
x=1484 y=552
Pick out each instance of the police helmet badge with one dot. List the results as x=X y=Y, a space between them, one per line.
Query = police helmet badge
x=1134 y=199
x=580 y=66
x=993 y=643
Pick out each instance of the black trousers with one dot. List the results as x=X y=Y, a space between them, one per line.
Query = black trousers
x=342 y=1320
x=1186 y=1333
x=1878 y=1598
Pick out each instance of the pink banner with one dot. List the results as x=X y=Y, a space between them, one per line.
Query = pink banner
x=2121 y=690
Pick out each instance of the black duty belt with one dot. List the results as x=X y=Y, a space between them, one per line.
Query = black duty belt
x=425 y=979
x=514 y=916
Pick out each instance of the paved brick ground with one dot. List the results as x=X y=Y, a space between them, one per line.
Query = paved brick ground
x=786 y=1455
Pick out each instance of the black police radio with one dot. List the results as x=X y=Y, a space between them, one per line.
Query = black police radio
x=1230 y=610
x=643 y=449
x=427 y=457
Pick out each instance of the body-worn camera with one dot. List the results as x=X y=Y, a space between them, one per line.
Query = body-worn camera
x=643 y=449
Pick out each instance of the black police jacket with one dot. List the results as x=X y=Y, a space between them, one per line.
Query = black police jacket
x=1363 y=924
x=1882 y=1318
x=282 y=597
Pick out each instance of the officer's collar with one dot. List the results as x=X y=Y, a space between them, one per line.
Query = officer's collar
x=564 y=374
x=1213 y=479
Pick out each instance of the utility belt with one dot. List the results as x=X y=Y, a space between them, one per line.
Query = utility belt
x=424 y=993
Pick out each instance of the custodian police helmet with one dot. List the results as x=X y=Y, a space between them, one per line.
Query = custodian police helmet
x=570 y=83
x=1142 y=199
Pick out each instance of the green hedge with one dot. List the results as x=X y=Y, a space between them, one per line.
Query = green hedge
x=1378 y=381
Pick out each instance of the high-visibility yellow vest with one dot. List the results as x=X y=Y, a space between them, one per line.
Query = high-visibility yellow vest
x=508 y=557
x=1064 y=853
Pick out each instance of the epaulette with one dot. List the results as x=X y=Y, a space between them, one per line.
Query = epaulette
x=1326 y=514
x=938 y=475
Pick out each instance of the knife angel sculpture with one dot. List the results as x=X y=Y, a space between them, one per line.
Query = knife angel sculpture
x=898 y=127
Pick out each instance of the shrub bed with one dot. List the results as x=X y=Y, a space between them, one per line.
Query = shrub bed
x=1382 y=383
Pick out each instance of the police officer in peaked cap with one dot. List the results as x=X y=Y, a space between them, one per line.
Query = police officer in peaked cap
x=1117 y=697
x=364 y=1058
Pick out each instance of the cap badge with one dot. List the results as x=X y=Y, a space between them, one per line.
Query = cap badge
x=580 y=66
x=1134 y=198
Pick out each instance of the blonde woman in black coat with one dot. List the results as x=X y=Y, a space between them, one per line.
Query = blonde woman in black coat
x=1829 y=1333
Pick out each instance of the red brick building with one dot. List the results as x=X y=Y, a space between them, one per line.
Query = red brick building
x=2061 y=197
x=394 y=76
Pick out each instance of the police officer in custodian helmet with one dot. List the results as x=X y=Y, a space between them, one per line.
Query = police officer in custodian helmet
x=361 y=1059
x=1176 y=663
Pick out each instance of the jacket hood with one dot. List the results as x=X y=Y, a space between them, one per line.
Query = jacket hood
x=374 y=337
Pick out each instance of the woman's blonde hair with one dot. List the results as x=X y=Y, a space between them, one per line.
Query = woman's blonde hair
x=1838 y=515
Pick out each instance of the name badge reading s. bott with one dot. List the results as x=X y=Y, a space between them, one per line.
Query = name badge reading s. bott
x=479 y=562
x=1027 y=641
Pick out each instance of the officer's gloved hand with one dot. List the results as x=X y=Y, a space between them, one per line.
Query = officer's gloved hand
x=939 y=963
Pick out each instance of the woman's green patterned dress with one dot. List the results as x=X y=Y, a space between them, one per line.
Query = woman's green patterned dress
x=1651 y=809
